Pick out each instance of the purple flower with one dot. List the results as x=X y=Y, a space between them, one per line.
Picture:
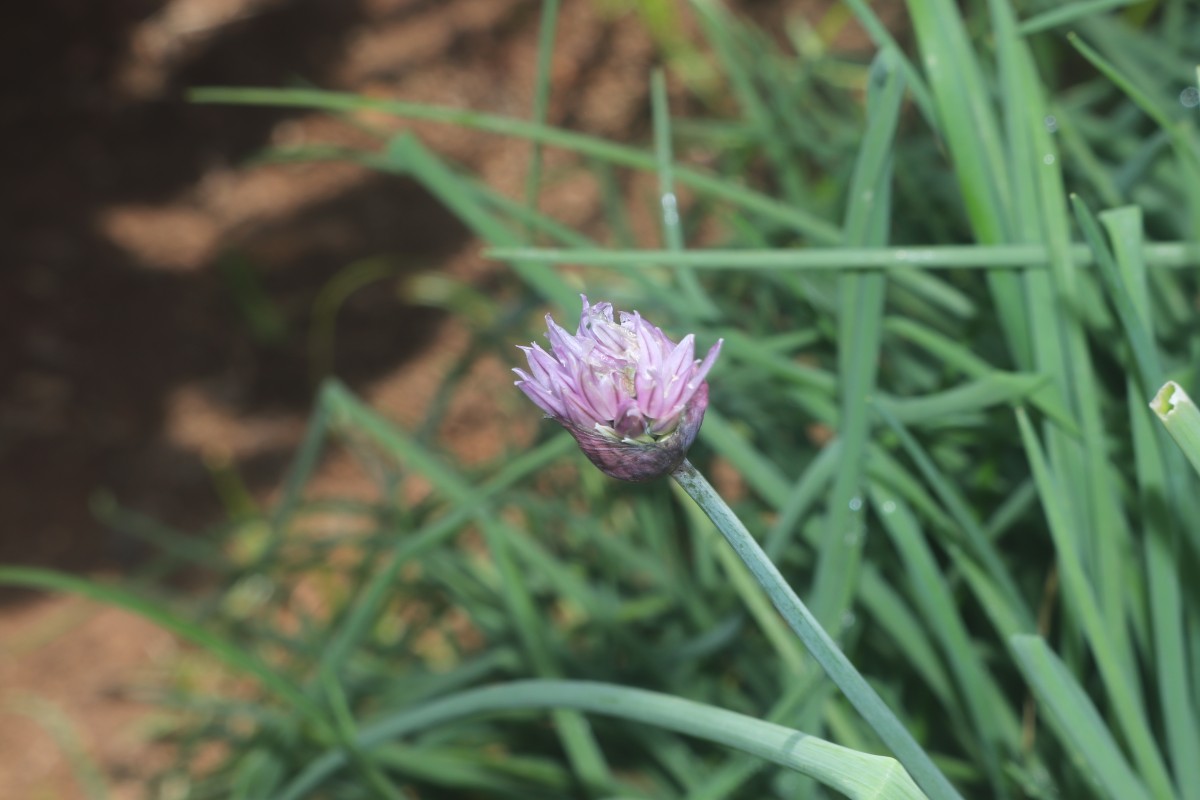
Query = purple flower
x=631 y=397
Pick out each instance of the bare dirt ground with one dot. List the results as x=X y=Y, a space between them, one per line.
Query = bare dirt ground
x=129 y=230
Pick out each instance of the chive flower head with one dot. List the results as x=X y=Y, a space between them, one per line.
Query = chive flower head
x=630 y=396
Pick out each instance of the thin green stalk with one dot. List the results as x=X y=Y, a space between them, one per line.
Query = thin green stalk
x=1158 y=489
x=934 y=596
x=347 y=729
x=986 y=257
x=541 y=101
x=800 y=220
x=730 y=45
x=1067 y=14
x=826 y=652
x=860 y=331
x=672 y=223
x=577 y=738
x=1124 y=692
x=1069 y=711
x=854 y=774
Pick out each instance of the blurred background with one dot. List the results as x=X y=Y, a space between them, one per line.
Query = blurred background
x=167 y=308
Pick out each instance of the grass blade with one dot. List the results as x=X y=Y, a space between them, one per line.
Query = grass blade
x=860 y=322
x=857 y=775
x=1076 y=721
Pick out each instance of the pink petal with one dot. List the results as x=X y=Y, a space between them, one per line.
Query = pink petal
x=540 y=395
x=702 y=370
x=602 y=395
x=541 y=364
x=680 y=359
x=649 y=391
x=580 y=411
x=562 y=342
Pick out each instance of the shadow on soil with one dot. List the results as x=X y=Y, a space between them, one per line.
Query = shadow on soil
x=94 y=343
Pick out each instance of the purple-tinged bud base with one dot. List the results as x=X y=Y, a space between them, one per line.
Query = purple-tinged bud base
x=631 y=460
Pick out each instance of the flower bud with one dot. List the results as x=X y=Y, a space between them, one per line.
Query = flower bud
x=632 y=398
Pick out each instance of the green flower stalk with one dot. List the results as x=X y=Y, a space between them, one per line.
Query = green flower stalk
x=815 y=639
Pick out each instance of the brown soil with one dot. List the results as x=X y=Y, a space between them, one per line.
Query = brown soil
x=129 y=229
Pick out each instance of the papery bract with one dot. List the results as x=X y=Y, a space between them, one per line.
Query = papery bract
x=630 y=396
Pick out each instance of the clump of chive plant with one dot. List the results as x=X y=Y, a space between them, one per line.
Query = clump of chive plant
x=630 y=396
x=634 y=400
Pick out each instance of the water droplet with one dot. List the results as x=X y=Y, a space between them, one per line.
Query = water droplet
x=1190 y=97
x=670 y=208
x=913 y=256
x=889 y=506
x=1048 y=159
x=1051 y=123
x=848 y=620
x=855 y=503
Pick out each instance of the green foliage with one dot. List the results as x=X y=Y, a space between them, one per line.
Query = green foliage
x=935 y=399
